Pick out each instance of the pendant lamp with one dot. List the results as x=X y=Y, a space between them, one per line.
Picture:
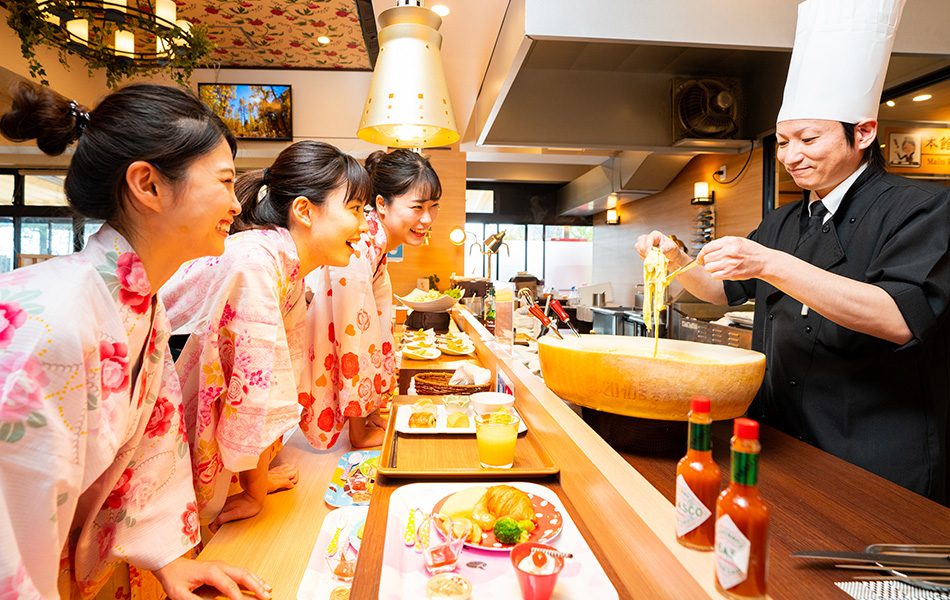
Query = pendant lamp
x=408 y=105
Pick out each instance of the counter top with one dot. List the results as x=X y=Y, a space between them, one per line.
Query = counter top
x=621 y=504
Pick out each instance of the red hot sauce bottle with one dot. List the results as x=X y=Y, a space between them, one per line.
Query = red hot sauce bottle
x=697 y=482
x=742 y=521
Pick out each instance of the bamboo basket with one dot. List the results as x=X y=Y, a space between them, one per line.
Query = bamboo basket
x=437 y=384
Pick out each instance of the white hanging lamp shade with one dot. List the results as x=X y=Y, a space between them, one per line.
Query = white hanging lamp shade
x=408 y=105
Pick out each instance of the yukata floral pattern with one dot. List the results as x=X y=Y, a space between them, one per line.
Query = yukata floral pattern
x=349 y=322
x=245 y=313
x=93 y=460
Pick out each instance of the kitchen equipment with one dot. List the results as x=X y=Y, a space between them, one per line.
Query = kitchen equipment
x=599 y=299
x=619 y=375
x=608 y=321
x=526 y=281
x=535 y=310
x=880 y=558
x=561 y=314
x=683 y=269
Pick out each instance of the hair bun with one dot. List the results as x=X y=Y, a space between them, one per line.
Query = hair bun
x=373 y=159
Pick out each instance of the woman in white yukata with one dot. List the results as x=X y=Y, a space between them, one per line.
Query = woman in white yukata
x=93 y=461
x=245 y=314
x=349 y=319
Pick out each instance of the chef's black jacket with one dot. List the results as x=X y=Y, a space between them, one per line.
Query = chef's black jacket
x=871 y=402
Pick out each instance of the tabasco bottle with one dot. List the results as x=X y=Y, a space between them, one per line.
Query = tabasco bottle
x=490 y=311
x=742 y=520
x=697 y=482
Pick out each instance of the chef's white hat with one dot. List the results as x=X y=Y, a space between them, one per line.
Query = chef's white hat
x=839 y=59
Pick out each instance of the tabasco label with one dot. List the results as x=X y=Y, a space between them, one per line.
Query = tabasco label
x=690 y=511
x=732 y=553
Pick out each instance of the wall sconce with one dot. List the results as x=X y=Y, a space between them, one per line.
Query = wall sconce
x=408 y=104
x=612 y=217
x=458 y=235
x=701 y=193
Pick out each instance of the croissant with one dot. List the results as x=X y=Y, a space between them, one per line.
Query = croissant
x=502 y=501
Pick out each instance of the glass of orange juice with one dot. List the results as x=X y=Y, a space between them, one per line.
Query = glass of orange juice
x=496 y=433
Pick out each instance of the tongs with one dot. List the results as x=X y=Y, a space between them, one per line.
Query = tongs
x=683 y=269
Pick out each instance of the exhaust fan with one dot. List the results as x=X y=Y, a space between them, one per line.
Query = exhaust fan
x=706 y=109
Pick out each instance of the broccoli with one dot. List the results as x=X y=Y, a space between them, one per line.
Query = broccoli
x=509 y=531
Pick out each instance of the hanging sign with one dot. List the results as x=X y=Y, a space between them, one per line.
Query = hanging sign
x=917 y=151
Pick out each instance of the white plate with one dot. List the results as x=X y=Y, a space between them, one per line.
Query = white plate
x=438 y=305
x=404 y=411
x=403 y=573
x=422 y=353
x=466 y=350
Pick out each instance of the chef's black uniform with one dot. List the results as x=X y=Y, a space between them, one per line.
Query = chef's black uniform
x=880 y=406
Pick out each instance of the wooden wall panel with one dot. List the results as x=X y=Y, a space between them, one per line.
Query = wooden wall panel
x=738 y=212
x=440 y=257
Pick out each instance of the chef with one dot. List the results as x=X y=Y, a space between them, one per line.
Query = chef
x=852 y=283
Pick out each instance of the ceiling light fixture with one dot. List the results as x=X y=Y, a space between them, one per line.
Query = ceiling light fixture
x=922 y=97
x=890 y=103
x=124 y=38
x=408 y=104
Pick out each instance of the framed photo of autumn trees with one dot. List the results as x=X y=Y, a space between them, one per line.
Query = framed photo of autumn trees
x=252 y=112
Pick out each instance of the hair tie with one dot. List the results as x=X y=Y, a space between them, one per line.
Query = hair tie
x=264 y=178
x=81 y=117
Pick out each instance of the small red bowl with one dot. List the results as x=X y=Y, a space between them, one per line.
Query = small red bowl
x=535 y=587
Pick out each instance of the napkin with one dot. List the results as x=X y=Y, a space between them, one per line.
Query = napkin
x=469 y=374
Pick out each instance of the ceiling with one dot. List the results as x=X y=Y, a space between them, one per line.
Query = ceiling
x=546 y=92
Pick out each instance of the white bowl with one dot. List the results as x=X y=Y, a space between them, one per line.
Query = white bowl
x=486 y=402
x=438 y=305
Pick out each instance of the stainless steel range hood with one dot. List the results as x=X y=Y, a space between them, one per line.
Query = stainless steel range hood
x=600 y=75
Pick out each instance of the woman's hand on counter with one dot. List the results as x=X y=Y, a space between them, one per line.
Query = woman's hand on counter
x=183 y=575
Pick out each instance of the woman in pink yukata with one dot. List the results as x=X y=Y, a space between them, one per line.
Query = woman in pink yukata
x=93 y=468
x=350 y=314
x=245 y=314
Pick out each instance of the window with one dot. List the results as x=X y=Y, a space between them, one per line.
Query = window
x=6 y=189
x=44 y=190
x=511 y=260
x=568 y=256
x=46 y=236
x=6 y=244
x=89 y=228
x=480 y=201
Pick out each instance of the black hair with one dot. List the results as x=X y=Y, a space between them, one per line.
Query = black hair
x=872 y=154
x=168 y=127
x=397 y=172
x=309 y=169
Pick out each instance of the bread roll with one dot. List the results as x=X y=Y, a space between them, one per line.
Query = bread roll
x=422 y=420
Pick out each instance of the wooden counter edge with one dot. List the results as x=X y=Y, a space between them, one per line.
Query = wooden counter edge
x=636 y=493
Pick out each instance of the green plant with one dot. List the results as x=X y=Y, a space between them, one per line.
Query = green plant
x=433 y=282
x=34 y=26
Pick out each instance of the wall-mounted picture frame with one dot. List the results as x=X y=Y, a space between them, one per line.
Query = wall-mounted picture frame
x=252 y=112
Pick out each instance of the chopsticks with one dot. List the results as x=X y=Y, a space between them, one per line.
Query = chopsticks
x=683 y=269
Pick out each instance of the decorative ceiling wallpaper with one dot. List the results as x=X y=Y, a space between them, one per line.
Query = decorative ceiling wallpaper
x=281 y=34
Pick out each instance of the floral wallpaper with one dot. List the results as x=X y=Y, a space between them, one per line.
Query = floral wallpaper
x=281 y=34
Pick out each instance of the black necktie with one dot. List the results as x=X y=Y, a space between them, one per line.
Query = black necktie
x=813 y=223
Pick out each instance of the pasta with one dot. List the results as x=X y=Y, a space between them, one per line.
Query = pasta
x=654 y=284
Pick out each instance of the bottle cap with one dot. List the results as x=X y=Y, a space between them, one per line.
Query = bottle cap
x=699 y=404
x=746 y=429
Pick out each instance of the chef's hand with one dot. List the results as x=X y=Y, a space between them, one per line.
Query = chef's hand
x=735 y=258
x=181 y=576
x=668 y=247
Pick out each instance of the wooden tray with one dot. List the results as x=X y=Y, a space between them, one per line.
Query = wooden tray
x=447 y=456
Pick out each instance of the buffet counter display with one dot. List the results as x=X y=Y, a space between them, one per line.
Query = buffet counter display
x=619 y=503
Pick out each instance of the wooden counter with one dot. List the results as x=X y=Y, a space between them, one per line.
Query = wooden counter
x=620 y=503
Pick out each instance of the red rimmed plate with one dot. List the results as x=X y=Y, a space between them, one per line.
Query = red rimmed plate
x=548 y=528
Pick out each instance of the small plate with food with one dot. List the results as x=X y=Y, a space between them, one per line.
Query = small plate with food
x=431 y=301
x=457 y=348
x=420 y=353
x=502 y=516
x=425 y=416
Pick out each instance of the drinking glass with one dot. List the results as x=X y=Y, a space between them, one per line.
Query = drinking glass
x=496 y=434
x=441 y=541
